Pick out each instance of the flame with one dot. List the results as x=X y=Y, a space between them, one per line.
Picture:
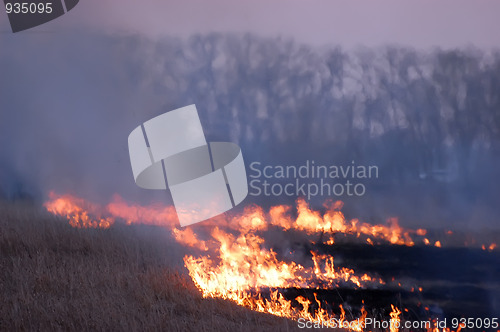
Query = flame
x=188 y=238
x=83 y=214
x=244 y=267
x=358 y=325
x=76 y=210
x=446 y=329
x=334 y=222
x=235 y=262
x=395 y=321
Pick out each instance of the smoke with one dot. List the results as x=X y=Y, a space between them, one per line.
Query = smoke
x=429 y=120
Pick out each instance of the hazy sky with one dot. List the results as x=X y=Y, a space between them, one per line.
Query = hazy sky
x=421 y=24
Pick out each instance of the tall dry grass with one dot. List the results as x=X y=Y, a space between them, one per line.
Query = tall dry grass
x=126 y=278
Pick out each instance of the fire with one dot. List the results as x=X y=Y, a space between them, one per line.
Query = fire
x=246 y=265
x=76 y=210
x=446 y=329
x=395 y=321
x=243 y=267
x=334 y=221
x=188 y=238
x=237 y=261
x=83 y=214
x=491 y=247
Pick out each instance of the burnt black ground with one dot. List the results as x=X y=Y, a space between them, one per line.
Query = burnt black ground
x=456 y=282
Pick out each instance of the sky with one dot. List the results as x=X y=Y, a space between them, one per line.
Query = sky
x=421 y=24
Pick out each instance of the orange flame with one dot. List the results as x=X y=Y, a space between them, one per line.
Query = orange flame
x=395 y=321
x=238 y=265
x=76 y=210
x=83 y=214
x=334 y=221
x=188 y=238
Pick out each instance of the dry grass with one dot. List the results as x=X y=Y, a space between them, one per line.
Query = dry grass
x=55 y=277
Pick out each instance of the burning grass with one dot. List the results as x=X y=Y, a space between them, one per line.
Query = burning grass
x=57 y=277
x=292 y=263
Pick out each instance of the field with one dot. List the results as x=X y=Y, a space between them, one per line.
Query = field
x=56 y=277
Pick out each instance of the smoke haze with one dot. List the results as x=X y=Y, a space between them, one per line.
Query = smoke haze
x=428 y=118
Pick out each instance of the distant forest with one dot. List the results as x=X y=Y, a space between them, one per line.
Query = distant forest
x=429 y=117
x=422 y=115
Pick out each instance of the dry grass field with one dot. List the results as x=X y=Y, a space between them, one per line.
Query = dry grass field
x=55 y=277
